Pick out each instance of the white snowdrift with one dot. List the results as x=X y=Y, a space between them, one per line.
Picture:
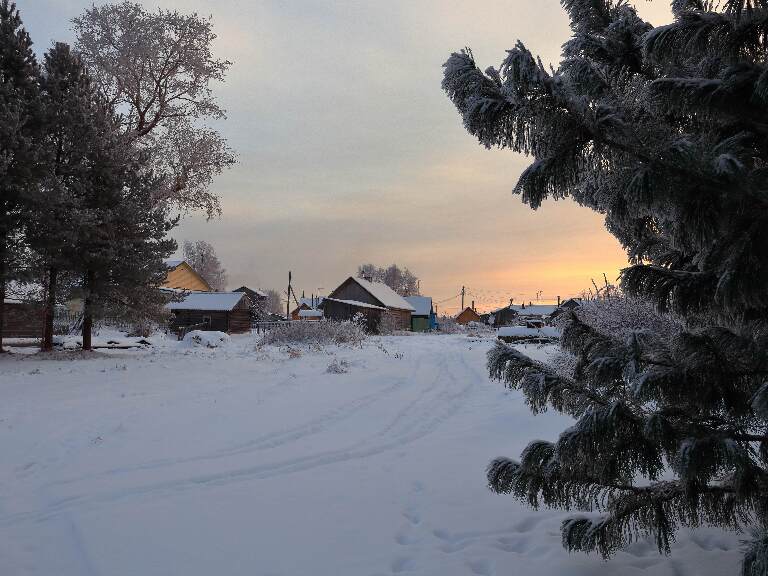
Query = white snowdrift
x=206 y=339
x=248 y=462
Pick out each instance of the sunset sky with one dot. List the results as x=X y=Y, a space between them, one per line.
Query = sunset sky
x=349 y=151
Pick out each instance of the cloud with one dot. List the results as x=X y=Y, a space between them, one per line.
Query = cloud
x=350 y=152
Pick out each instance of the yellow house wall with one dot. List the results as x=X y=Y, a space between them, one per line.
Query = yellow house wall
x=183 y=277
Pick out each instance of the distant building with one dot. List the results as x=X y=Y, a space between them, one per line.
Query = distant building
x=373 y=300
x=258 y=300
x=254 y=295
x=181 y=276
x=423 y=317
x=468 y=315
x=566 y=306
x=308 y=309
x=571 y=303
x=506 y=316
x=222 y=311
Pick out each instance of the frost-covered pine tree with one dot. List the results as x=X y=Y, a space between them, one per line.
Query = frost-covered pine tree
x=662 y=130
x=67 y=101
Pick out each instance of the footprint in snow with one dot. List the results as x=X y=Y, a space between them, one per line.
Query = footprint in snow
x=482 y=567
x=403 y=564
x=405 y=536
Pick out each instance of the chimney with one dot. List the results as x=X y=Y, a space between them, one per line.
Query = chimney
x=558 y=301
x=473 y=305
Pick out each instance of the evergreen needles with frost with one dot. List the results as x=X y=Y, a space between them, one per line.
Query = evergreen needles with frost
x=664 y=131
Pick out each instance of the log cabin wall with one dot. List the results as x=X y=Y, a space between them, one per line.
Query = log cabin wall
x=23 y=320
x=402 y=318
x=341 y=311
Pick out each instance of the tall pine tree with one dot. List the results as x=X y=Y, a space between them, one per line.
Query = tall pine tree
x=662 y=130
x=121 y=240
x=18 y=156
x=93 y=216
x=68 y=106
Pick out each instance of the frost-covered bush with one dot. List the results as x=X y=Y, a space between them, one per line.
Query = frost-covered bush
x=448 y=325
x=338 y=367
x=623 y=315
x=323 y=333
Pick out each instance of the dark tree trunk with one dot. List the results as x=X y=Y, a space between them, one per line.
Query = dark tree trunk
x=50 y=308
x=87 y=311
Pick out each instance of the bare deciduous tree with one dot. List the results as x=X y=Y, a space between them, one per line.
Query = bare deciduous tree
x=202 y=257
x=401 y=280
x=156 y=69
x=274 y=303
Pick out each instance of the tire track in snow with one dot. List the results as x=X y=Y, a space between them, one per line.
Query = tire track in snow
x=264 y=442
x=444 y=397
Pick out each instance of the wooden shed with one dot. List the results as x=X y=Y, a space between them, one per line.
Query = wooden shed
x=222 y=311
x=506 y=316
x=308 y=309
x=423 y=317
x=360 y=293
x=22 y=319
x=181 y=276
x=468 y=315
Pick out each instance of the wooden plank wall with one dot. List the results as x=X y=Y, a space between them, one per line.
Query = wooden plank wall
x=23 y=321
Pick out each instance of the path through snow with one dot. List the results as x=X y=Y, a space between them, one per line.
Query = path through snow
x=236 y=461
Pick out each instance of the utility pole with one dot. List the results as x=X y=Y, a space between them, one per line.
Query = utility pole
x=288 y=297
x=463 y=291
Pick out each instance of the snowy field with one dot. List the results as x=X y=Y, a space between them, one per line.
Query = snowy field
x=237 y=461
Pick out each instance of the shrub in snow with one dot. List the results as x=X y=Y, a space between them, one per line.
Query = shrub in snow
x=322 y=333
x=449 y=325
x=388 y=325
x=623 y=315
x=206 y=339
x=338 y=367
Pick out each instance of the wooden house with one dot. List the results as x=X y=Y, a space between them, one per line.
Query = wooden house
x=467 y=315
x=423 y=317
x=181 y=276
x=308 y=309
x=258 y=300
x=22 y=319
x=376 y=301
x=506 y=316
x=222 y=311
x=255 y=296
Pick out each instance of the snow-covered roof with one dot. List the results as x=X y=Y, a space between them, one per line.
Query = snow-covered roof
x=216 y=301
x=259 y=293
x=532 y=310
x=385 y=294
x=535 y=309
x=308 y=301
x=355 y=303
x=173 y=263
x=422 y=305
x=310 y=313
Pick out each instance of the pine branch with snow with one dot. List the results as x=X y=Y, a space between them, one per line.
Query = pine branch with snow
x=661 y=130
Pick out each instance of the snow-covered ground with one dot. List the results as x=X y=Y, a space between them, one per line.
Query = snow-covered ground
x=237 y=461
